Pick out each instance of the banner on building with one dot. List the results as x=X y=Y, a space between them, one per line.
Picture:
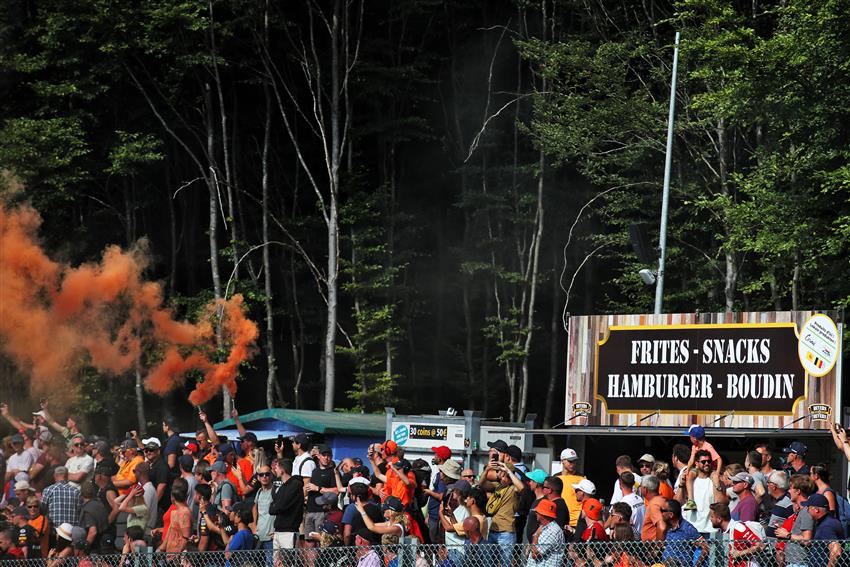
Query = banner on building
x=763 y=369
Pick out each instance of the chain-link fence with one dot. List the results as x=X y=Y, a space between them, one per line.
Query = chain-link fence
x=713 y=553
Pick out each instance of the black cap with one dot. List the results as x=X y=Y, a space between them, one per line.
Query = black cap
x=329 y=527
x=393 y=503
x=106 y=469
x=323 y=449
x=301 y=439
x=187 y=463
x=514 y=452
x=225 y=448
x=249 y=436
x=499 y=445
x=367 y=535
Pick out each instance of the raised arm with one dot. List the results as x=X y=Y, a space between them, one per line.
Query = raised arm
x=13 y=421
x=382 y=528
x=839 y=437
x=202 y=415
x=239 y=427
x=401 y=474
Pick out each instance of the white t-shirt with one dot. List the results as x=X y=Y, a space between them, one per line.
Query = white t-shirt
x=83 y=463
x=618 y=492
x=635 y=502
x=21 y=463
x=703 y=497
x=305 y=470
x=461 y=513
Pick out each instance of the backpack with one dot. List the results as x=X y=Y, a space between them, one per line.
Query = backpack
x=842 y=507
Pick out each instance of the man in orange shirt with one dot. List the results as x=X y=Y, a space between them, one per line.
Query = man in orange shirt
x=126 y=476
x=654 y=527
x=228 y=455
x=400 y=480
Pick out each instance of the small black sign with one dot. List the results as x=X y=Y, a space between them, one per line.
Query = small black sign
x=748 y=369
x=435 y=432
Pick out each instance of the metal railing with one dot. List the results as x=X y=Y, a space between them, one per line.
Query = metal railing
x=703 y=553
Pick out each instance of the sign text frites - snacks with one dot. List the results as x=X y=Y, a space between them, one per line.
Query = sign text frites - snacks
x=753 y=369
x=694 y=368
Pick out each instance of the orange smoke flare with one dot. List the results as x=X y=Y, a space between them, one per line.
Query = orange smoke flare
x=54 y=319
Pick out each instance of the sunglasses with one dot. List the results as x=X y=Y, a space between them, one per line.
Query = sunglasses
x=150 y=450
x=35 y=507
x=78 y=444
x=264 y=474
x=704 y=462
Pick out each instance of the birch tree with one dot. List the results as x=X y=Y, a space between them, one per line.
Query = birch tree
x=326 y=51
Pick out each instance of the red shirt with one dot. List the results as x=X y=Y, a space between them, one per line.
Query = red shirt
x=594 y=532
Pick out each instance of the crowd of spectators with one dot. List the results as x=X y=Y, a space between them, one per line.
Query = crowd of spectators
x=69 y=495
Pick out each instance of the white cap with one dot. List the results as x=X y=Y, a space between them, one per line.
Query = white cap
x=569 y=455
x=585 y=486
x=647 y=458
x=153 y=440
x=359 y=480
x=40 y=414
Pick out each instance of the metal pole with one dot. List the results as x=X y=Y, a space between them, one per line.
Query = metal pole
x=668 y=160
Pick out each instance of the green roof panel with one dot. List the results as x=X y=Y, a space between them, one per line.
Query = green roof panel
x=325 y=422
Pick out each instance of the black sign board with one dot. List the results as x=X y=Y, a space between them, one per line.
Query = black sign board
x=745 y=368
x=435 y=432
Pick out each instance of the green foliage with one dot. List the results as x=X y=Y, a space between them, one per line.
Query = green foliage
x=370 y=283
x=45 y=153
x=132 y=151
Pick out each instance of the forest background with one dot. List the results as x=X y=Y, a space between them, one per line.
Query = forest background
x=411 y=195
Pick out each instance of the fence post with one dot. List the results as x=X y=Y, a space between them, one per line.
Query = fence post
x=408 y=548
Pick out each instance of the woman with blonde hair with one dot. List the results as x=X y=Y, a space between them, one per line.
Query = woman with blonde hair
x=662 y=470
x=133 y=503
x=39 y=522
x=397 y=523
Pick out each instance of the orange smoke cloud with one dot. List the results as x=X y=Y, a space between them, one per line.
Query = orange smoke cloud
x=54 y=319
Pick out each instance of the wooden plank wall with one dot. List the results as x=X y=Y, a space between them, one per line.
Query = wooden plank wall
x=585 y=332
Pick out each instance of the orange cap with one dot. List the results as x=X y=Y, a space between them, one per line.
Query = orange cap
x=546 y=508
x=390 y=447
x=592 y=508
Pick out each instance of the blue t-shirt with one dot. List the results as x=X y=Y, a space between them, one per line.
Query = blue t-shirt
x=350 y=513
x=243 y=539
x=682 y=550
x=829 y=528
x=433 y=504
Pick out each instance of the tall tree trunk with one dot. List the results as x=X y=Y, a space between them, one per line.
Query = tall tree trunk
x=731 y=278
x=140 y=399
x=795 y=282
x=554 y=348
x=172 y=225
x=271 y=363
x=225 y=143
x=333 y=213
x=212 y=185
